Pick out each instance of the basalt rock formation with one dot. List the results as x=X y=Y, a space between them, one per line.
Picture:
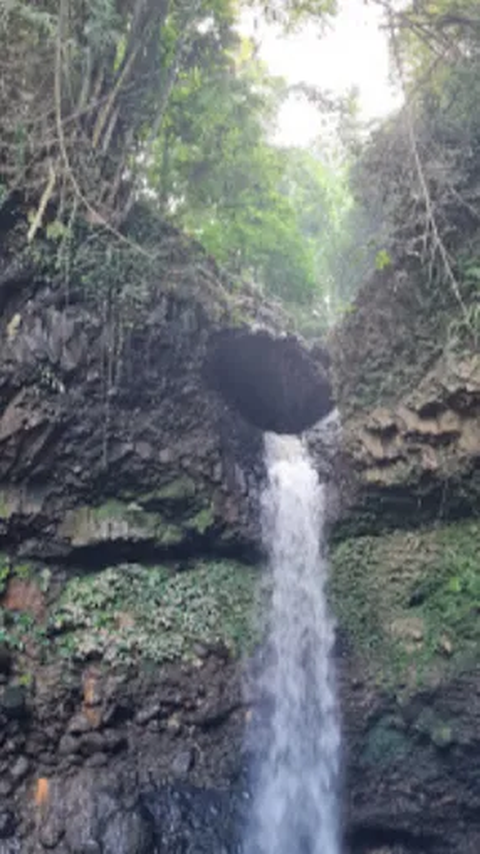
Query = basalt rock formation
x=130 y=465
x=131 y=459
x=410 y=404
x=110 y=437
x=405 y=572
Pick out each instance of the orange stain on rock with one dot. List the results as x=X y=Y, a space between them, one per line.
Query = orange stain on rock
x=24 y=595
x=42 y=791
x=93 y=716
x=89 y=691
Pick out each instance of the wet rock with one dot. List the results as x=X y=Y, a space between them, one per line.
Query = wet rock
x=127 y=833
x=5 y=660
x=12 y=846
x=113 y=740
x=20 y=769
x=51 y=830
x=187 y=819
x=147 y=714
x=97 y=760
x=13 y=701
x=80 y=723
x=47 y=758
x=92 y=742
x=90 y=847
x=68 y=744
x=16 y=743
x=98 y=819
x=182 y=763
x=6 y=787
x=272 y=382
x=36 y=744
x=398 y=457
x=7 y=823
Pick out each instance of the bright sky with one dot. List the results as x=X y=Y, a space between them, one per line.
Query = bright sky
x=352 y=52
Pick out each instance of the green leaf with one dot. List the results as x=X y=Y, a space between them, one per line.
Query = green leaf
x=454 y=585
x=382 y=260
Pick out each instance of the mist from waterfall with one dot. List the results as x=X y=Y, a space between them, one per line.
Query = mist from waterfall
x=296 y=727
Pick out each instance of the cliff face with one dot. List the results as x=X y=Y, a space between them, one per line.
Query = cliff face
x=405 y=571
x=129 y=538
x=126 y=488
x=108 y=433
x=130 y=555
x=409 y=392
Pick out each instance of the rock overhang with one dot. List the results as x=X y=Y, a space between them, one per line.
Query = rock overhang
x=273 y=382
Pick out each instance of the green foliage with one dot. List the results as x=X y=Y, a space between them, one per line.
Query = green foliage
x=411 y=601
x=110 y=70
x=181 y=489
x=414 y=179
x=215 y=169
x=382 y=260
x=450 y=600
x=203 y=520
x=289 y=13
x=168 y=95
x=115 y=520
x=16 y=627
x=4 y=571
x=130 y=612
x=441 y=732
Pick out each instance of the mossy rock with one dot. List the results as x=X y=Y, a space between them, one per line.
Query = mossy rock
x=410 y=601
x=179 y=491
x=202 y=521
x=118 y=521
x=386 y=743
x=7 y=507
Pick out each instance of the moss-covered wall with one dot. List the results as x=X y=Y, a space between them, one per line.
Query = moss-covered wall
x=409 y=602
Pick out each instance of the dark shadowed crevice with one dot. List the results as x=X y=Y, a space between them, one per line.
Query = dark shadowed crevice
x=364 y=837
x=274 y=383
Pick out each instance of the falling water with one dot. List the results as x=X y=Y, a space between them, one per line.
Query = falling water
x=295 y=807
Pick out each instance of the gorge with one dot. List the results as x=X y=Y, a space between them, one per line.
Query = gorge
x=239 y=437
x=131 y=545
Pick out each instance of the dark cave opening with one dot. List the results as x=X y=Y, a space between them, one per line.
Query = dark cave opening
x=274 y=383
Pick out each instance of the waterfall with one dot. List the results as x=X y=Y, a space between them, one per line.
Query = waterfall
x=295 y=809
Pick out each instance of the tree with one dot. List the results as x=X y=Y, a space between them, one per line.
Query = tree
x=86 y=87
x=215 y=169
x=421 y=168
x=126 y=98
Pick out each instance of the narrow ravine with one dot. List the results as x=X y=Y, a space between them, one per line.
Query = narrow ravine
x=295 y=802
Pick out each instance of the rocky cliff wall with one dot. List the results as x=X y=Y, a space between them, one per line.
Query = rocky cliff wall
x=405 y=566
x=130 y=560
x=129 y=539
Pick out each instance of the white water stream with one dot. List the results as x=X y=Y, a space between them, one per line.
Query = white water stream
x=295 y=806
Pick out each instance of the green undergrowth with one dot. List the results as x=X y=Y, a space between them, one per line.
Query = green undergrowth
x=410 y=601
x=16 y=626
x=130 y=612
x=391 y=739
